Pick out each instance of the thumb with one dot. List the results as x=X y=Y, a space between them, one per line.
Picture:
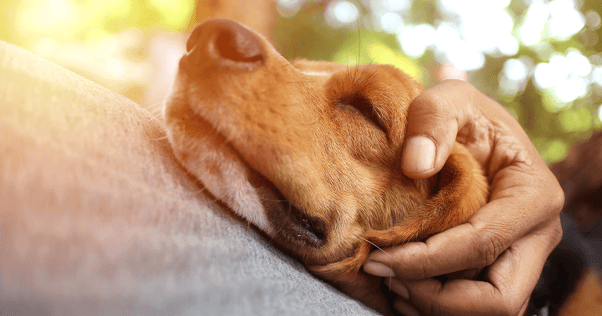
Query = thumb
x=434 y=118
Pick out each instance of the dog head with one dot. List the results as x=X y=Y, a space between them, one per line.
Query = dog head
x=310 y=152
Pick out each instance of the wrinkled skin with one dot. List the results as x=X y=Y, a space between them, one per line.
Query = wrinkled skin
x=510 y=237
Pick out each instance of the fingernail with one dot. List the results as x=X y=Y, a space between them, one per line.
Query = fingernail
x=419 y=154
x=378 y=269
x=399 y=288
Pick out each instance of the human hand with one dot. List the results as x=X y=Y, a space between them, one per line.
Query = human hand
x=511 y=236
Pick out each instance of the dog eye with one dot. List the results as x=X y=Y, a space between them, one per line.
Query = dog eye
x=362 y=107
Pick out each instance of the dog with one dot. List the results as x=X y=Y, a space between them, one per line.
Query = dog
x=310 y=153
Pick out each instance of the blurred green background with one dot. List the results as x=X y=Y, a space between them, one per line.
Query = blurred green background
x=540 y=59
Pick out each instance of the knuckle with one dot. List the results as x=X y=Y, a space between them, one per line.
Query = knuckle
x=427 y=108
x=556 y=232
x=558 y=203
x=490 y=246
x=413 y=262
x=553 y=196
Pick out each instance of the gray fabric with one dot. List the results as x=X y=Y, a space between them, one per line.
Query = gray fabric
x=96 y=217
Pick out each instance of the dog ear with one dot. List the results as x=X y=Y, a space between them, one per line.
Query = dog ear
x=457 y=191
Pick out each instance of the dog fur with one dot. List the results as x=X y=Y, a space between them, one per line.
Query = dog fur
x=310 y=153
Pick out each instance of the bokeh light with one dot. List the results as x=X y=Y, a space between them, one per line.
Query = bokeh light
x=288 y=8
x=341 y=13
x=414 y=40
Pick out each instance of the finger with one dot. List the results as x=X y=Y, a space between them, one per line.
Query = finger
x=431 y=131
x=509 y=282
x=434 y=119
x=405 y=308
x=454 y=110
x=525 y=195
x=475 y=244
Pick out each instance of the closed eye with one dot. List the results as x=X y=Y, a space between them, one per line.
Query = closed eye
x=362 y=107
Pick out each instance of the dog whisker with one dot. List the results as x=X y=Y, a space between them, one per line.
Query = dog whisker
x=373 y=244
x=379 y=248
x=156 y=117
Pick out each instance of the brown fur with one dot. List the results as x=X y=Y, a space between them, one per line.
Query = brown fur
x=310 y=152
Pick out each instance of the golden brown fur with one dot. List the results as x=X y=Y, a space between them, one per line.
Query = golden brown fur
x=310 y=152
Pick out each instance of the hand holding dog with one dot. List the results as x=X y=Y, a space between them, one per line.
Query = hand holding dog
x=512 y=235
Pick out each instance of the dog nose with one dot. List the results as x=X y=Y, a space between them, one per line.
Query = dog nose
x=231 y=40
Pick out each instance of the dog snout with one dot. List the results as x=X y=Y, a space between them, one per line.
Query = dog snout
x=231 y=41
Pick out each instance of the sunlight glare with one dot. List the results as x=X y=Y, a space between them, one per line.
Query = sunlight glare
x=535 y=20
x=48 y=17
x=449 y=47
x=560 y=66
x=565 y=21
x=397 y=5
x=515 y=69
x=45 y=47
x=115 y=68
x=466 y=58
x=596 y=76
x=484 y=28
x=508 y=45
x=579 y=64
x=390 y=22
x=414 y=40
x=544 y=76
x=341 y=13
x=570 y=89
x=459 y=6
